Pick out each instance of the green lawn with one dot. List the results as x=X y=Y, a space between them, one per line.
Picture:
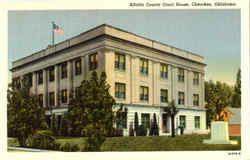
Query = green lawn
x=156 y=143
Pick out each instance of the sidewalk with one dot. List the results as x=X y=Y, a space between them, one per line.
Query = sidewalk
x=29 y=149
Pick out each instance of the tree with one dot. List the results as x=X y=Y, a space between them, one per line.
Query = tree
x=91 y=111
x=218 y=96
x=136 y=123
x=154 y=129
x=236 y=99
x=172 y=111
x=25 y=115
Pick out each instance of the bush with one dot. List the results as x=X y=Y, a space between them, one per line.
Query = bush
x=42 y=139
x=66 y=147
x=141 y=131
x=75 y=148
x=131 y=130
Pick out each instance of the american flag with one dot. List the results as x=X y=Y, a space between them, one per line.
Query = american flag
x=57 y=29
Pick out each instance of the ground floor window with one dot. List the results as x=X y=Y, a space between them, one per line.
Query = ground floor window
x=122 y=121
x=197 y=122
x=183 y=121
x=165 y=124
x=145 y=120
x=48 y=121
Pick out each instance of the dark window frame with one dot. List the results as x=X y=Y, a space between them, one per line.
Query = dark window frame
x=197 y=123
x=64 y=96
x=93 y=65
x=183 y=121
x=196 y=79
x=64 y=70
x=118 y=64
x=143 y=96
x=78 y=69
x=118 y=90
x=164 y=99
x=181 y=75
x=143 y=68
x=40 y=77
x=145 y=120
x=51 y=74
x=181 y=101
x=164 y=74
x=52 y=98
x=40 y=99
x=196 y=102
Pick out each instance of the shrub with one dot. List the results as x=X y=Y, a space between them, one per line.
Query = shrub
x=141 y=131
x=131 y=130
x=154 y=129
x=42 y=139
x=136 y=123
x=75 y=148
x=66 y=147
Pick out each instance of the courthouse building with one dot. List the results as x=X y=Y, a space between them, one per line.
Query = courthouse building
x=145 y=75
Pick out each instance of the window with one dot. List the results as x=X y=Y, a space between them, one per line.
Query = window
x=52 y=99
x=164 y=95
x=181 y=98
x=181 y=75
x=17 y=82
x=120 y=90
x=28 y=79
x=119 y=61
x=40 y=99
x=145 y=120
x=196 y=99
x=122 y=121
x=40 y=77
x=64 y=70
x=78 y=67
x=51 y=74
x=64 y=96
x=144 y=66
x=197 y=122
x=164 y=71
x=143 y=93
x=77 y=91
x=196 y=78
x=183 y=121
x=93 y=61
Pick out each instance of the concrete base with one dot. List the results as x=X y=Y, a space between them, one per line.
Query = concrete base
x=219 y=134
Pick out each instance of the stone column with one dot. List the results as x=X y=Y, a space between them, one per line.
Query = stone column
x=34 y=81
x=83 y=67
x=202 y=84
x=70 y=78
x=173 y=84
x=57 y=86
x=186 y=90
x=45 y=88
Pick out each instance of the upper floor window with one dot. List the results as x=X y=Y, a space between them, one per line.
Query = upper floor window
x=64 y=70
x=196 y=78
x=164 y=95
x=181 y=98
x=164 y=71
x=143 y=93
x=93 y=61
x=196 y=99
x=51 y=98
x=40 y=77
x=120 y=90
x=64 y=96
x=180 y=75
x=78 y=67
x=40 y=99
x=17 y=82
x=51 y=74
x=144 y=66
x=119 y=61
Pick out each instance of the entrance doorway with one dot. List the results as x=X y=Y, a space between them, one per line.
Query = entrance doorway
x=165 y=123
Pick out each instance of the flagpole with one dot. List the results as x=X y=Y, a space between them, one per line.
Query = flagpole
x=53 y=33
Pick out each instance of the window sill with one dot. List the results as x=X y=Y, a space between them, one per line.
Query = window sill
x=144 y=101
x=163 y=79
x=120 y=70
x=144 y=74
x=120 y=99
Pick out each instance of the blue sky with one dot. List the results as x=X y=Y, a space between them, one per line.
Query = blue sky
x=214 y=34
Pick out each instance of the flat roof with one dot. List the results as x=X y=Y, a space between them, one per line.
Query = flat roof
x=106 y=29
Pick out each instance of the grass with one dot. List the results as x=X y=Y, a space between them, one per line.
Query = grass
x=155 y=143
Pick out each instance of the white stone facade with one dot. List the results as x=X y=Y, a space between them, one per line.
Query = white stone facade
x=108 y=41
